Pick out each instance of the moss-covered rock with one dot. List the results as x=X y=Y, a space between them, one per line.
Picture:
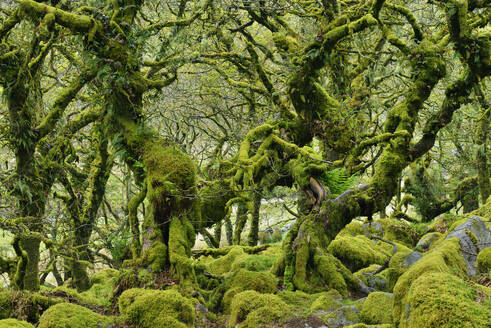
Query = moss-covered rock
x=344 y=316
x=68 y=315
x=224 y=264
x=14 y=323
x=352 y=229
x=484 y=260
x=156 y=308
x=445 y=258
x=377 y=308
x=251 y=309
x=377 y=282
x=428 y=240
x=443 y=300
x=243 y=280
x=399 y=231
x=326 y=304
x=473 y=235
x=356 y=252
x=102 y=283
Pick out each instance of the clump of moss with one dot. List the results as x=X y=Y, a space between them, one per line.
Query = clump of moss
x=439 y=299
x=484 y=260
x=102 y=284
x=352 y=229
x=14 y=323
x=243 y=280
x=377 y=308
x=224 y=264
x=74 y=316
x=399 y=231
x=344 y=316
x=428 y=240
x=325 y=303
x=444 y=258
x=356 y=252
x=251 y=309
x=156 y=308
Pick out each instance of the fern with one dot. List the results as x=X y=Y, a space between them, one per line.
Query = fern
x=338 y=181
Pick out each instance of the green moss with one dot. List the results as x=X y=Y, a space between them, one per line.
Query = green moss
x=439 y=299
x=444 y=258
x=362 y=325
x=377 y=308
x=356 y=252
x=252 y=309
x=156 y=308
x=353 y=229
x=428 y=240
x=25 y=305
x=102 y=284
x=85 y=298
x=243 y=280
x=14 y=323
x=484 y=260
x=378 y=281
x=253 y=262
x=224 y=264
x=399 y=231
x=67 y=315
x=347 y=313
x=325 y=303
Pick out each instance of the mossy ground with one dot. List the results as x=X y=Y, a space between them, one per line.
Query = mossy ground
x=238 y=289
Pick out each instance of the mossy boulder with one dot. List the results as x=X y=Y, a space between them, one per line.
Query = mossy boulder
x=356 y=252
x=156 y=308
x=14 y=323
x=375 y=282
x=377 y=308
x=473 y=235
x=68 y=315
x=484 y=260
x=224 y=264
x=400 y=232
x=428 y=240
x=445 y=258
x=443 y=300
x=243 y=280
x=326 y=304
x=251 y=309
x=342 y=317
x=352 y=229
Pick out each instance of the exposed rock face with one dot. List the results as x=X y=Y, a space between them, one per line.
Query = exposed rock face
x=473 y=236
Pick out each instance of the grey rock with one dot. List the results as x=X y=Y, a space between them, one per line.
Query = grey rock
x=411 y=258
x=469 y=248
